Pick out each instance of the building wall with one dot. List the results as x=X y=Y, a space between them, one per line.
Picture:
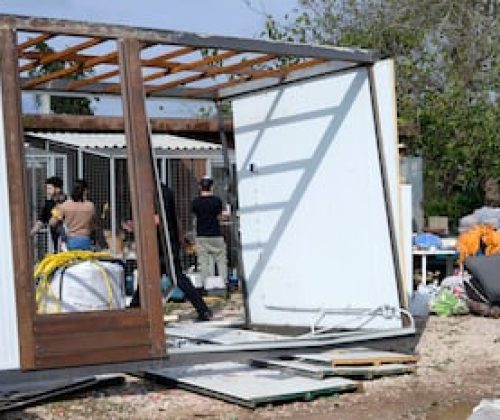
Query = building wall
x=9 y=343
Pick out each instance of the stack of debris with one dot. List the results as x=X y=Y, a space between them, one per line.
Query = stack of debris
x=17 y=396
x=298 y=377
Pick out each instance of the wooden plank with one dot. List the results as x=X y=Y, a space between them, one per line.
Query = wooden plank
x=69 y=70
x=360 y=357
x=14 y=149
x=213 y=72
x=64 y=122
x=142 y=189
x=34 y=41
x=57 y=324
x=158 y=36
x=162 y=58
x=50 y=58
x=77 y=84
x=90 y=341
x=323 y=370
x=124 y=354
x=261 y=74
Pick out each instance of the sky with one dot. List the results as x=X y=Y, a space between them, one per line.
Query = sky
x=217 y=17
x=242 y=18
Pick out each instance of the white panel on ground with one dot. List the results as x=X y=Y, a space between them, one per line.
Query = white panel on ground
x=314 y=227
x=9 y=342
x=249 y=386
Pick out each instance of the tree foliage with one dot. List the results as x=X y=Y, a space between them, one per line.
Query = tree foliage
x=448 y=75
x=62 y=104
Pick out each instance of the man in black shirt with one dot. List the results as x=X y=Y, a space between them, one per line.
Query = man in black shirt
x=55 y=196
x=183 y=282
x=209 y=240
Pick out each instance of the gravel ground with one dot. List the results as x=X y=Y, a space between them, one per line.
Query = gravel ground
x=459 y=365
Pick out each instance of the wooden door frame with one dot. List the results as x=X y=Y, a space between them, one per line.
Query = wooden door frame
x=74 y=339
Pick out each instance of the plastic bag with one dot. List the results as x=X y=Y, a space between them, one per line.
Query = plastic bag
x=445 y=303
x=422 y=298
x=427 y=241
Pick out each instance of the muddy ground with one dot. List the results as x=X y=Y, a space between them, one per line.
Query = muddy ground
x=459 y=365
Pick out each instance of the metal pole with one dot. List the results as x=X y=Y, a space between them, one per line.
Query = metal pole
x=112 y=188
x=80 y=163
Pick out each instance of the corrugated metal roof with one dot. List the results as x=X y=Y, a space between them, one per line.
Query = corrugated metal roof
x=117 y=141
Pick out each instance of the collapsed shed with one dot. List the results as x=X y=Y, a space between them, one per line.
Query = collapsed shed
x=323 y=221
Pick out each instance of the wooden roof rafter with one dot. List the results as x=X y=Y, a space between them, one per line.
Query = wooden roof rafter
x=260 y=74
x=70 y=70
x=182 y=43
x=54 y=56
x=158 y=61
x=231 y=69
x=31 y=42
x=191 y=66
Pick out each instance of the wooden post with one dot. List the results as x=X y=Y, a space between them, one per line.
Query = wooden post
x=142 y=188
x=14 y=150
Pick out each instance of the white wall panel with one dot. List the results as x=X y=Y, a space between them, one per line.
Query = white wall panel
x=313 y=218
x=9 y=347
x=386 y=99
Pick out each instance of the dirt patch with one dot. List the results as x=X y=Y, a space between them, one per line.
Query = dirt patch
x=459 y=365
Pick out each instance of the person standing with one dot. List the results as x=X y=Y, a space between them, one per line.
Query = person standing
x=183 y=282
x=209 y=240
x=78 y=215
x=55 y=196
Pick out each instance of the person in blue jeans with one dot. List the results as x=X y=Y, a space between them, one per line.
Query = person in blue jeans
x=78 y=215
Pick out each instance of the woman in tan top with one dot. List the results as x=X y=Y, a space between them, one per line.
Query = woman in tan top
x=78 y=214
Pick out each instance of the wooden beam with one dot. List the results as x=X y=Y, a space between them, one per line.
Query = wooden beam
x=260 y=74
x=204 y=61
x=159 y=36
x=90 y=80
x=184 y=67
x=142 y=189
x=212 y=72
x=95 y=123
x=34 y=41
x=49 y=58
x=70 y=70
x=14 y=150
x=159 y=60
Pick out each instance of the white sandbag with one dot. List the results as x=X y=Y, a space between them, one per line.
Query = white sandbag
x=196 y=279
x=214 y=283
x=86 y=286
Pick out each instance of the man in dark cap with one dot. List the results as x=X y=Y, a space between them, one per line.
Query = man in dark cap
x=208 y=210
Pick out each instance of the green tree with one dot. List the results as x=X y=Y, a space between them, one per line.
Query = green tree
x=448 y=75
x=62 y=104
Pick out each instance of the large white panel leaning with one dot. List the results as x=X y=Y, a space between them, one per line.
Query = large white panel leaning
x=314 y=227
x=9 y=345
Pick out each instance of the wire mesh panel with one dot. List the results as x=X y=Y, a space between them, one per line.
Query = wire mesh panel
x=184 y=176
x=38 y=168
x=70 y=168
x=96 y=174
